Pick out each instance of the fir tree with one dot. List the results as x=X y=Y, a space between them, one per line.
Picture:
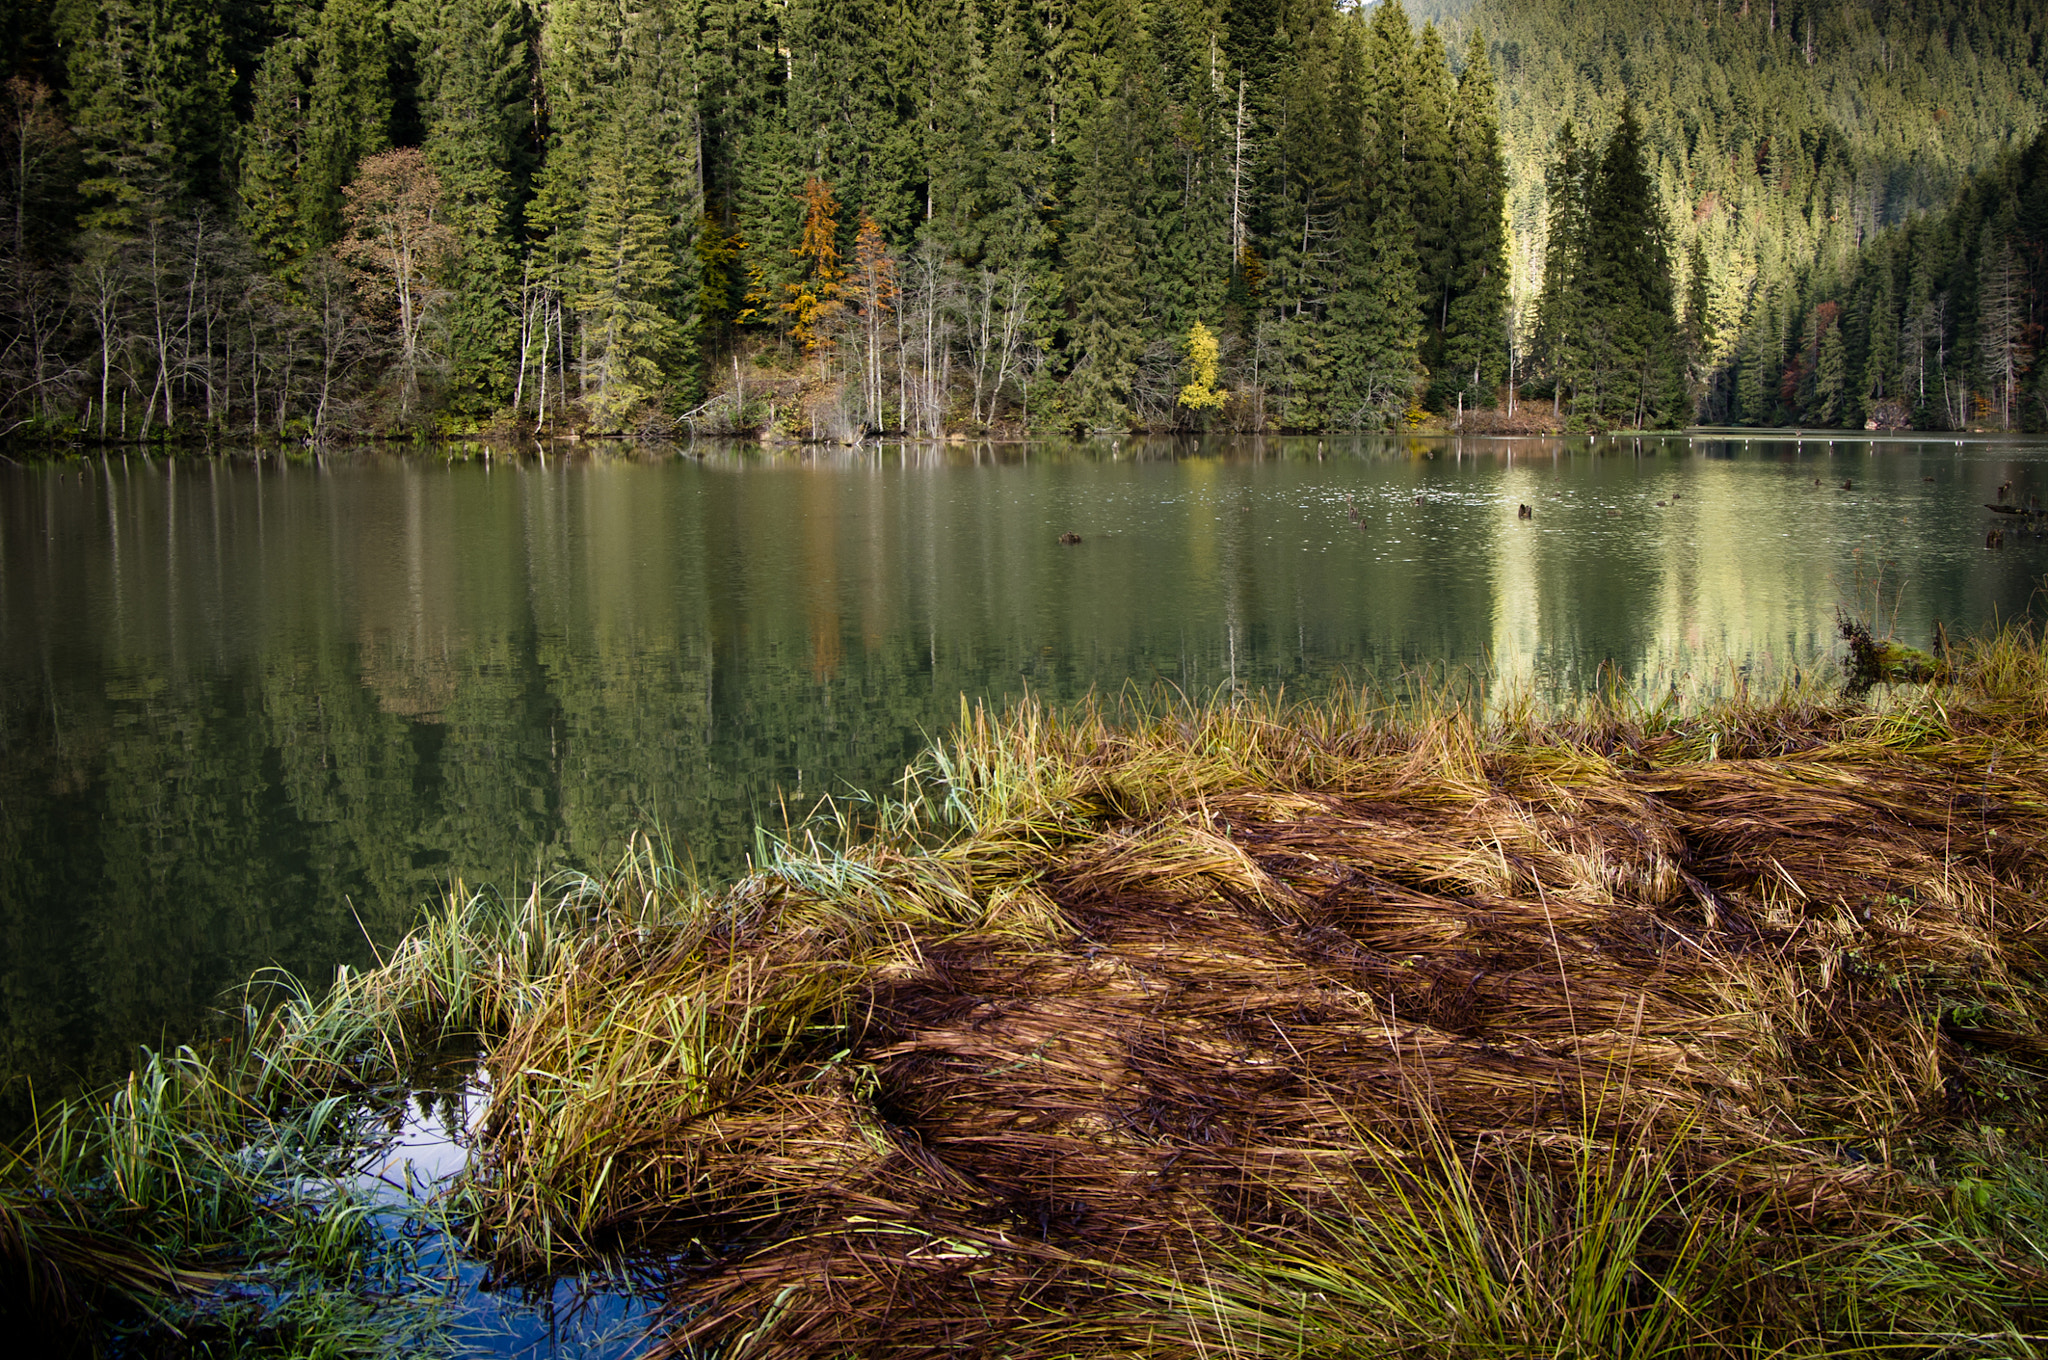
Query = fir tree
x=1560 y=343
x=624 y=275
x=147 y=98
x=1102 y=277
x=273 y=160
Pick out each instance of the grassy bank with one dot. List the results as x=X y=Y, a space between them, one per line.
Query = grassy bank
x=1242 y=1030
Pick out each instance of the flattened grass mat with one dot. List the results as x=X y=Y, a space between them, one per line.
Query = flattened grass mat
x=1253 y=1029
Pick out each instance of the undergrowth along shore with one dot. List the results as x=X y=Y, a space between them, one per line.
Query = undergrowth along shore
x=1251 y=1029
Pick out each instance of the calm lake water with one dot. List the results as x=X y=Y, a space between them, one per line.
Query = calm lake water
x=251 y=713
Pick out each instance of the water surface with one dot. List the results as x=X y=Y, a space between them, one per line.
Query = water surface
x=254 y=713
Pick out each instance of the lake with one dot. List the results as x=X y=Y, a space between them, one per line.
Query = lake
x=254 y=713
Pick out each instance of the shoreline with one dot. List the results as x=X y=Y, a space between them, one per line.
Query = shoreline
x=1231 y=1024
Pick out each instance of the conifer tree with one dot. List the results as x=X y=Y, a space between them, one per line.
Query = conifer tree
x=475 y=92
x=1433 y=199
x=1102 y=276
x=1377 y=314
x=627 y=266
x=273 y=160
x=349 y=108
x=1560 y=344
x=147 y=97
x=1632 y=360
x=1473 y=354
x=816 y=294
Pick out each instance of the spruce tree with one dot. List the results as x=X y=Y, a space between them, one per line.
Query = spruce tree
x=1375 y=314
x=1433 y=199
x=147 y=97
x=1559 y=347
x=273 y=160
x=1473 y=355
x=349 y=108
x=1631 y=331
x=628 y=265
x=1102 y=276
x=475 y=87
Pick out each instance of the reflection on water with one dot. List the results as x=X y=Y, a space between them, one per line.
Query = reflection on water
x=253 y=713
x=424 y=1143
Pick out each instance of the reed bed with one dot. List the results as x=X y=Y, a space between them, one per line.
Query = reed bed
x=1251 y=1029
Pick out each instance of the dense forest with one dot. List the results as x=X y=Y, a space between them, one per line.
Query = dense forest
x=822 y=219
x=825 y=218
x=1785 y=140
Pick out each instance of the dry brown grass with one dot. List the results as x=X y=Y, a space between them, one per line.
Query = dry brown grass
x=1194 y=986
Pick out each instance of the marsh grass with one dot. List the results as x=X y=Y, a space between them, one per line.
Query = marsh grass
x=217 y=1195
x=1243 y=1029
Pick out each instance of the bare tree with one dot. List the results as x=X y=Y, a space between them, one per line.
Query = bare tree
x=2002 y=311
x=924 y=340
x=100 y=289
x=36 y=309
x=998 y=307
x=873 y=290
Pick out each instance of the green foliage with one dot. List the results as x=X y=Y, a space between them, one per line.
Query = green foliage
x=1781 y=137
x=1373 y=216
x=475 y=89
x=146 y=94
x=348 y=108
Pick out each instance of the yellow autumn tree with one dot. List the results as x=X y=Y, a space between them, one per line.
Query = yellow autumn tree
x=1201 y=393
x=815 y=297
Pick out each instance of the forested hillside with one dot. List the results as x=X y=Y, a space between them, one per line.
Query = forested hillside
x=1783 y=136
x=814 y=216
x=825 y=217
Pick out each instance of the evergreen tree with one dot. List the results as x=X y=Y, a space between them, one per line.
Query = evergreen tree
x=147 y=97
x=1102 y=277
x=273 y=160
x=628 y=264
x=349 y=108
x=1560 y=342
x=1376 y=317
x=1473 y=353
x=1433 y=199
x=475 y=87
x=1632 y=358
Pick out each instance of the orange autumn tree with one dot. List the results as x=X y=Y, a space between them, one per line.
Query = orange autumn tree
x=815 y=296
x=874 y=292
x=396 y=235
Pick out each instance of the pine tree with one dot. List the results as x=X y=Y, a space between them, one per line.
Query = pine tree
x=1696 y=331
x=147 y=97
x=1102 y=277
x=273 y=160
x=626 y=268
x=1376 y=318
x=1560 y=343
x=1433 y=199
